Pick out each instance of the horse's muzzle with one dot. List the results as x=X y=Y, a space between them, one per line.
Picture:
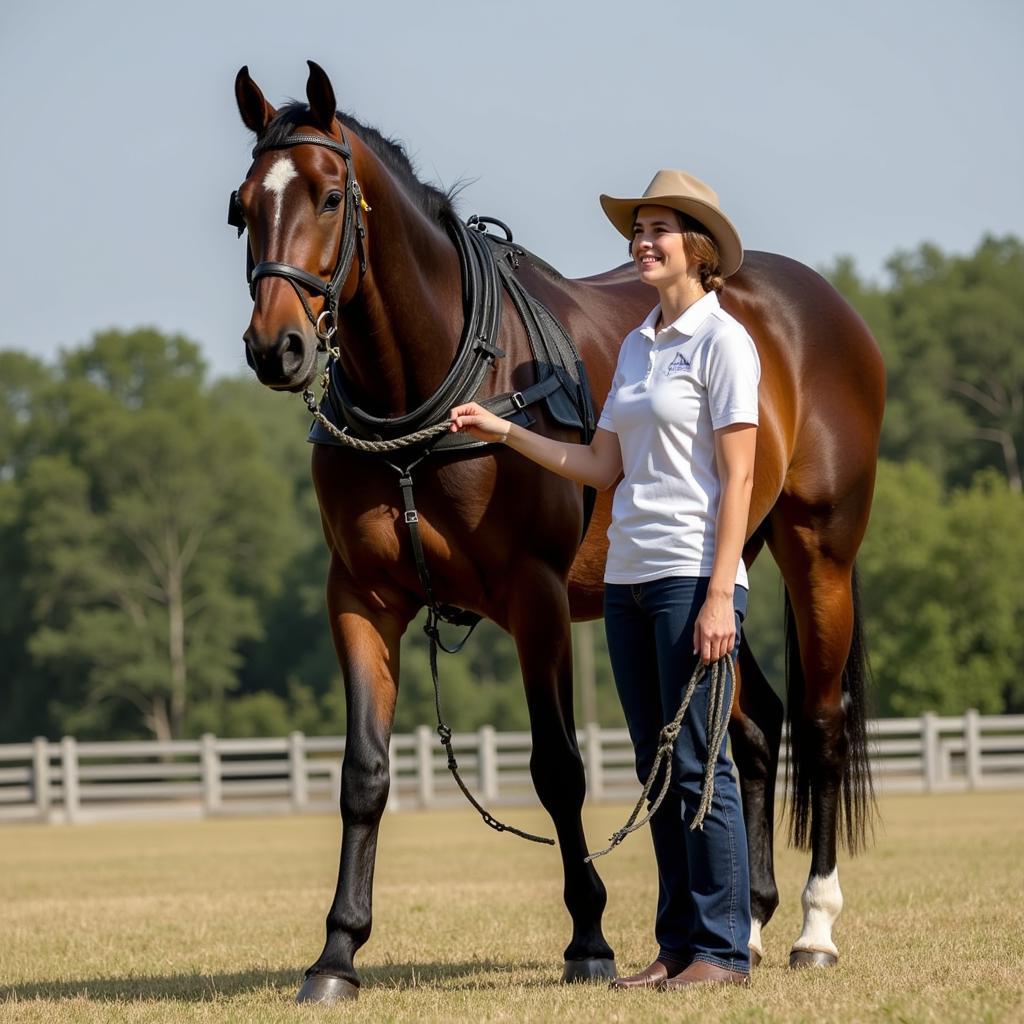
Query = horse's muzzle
x=288 y=364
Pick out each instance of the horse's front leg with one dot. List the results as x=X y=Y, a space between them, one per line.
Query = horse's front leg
x=367 y=637
x=539 y=622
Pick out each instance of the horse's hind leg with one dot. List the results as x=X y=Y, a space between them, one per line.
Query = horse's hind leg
x=539 y=622
x=830 y=776
x=367 y=642
x=755 y=730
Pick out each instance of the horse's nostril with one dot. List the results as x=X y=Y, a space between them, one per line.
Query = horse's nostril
x=249 y=357
x=293 y=353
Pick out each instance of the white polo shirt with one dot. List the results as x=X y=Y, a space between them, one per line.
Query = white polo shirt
x=668 y=396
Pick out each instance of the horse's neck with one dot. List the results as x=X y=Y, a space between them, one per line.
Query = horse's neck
x=402 y=328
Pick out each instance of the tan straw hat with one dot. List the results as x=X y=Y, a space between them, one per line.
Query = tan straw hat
x=681 y=191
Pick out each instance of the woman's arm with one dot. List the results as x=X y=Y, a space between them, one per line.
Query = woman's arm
x=598 y=464
x=715 y=631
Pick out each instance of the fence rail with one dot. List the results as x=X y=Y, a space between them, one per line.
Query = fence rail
x=73 y=782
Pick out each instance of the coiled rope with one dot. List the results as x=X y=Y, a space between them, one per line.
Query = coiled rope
x=722 y=672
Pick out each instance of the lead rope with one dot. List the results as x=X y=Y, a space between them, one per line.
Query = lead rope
x=721 y=671
x=348 y=440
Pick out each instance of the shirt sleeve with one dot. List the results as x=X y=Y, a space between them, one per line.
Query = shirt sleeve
x=733 y=373
x=605 y=419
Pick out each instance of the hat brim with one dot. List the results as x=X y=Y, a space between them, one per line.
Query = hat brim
x=622 y=213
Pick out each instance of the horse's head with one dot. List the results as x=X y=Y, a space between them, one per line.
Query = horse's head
x=303 y=210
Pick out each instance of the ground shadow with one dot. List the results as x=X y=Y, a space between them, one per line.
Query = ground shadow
x=198 y=988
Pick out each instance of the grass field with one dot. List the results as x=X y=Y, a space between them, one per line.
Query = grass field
x=215 y=921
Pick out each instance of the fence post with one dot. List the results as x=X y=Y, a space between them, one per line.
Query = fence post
x=69 y=778
x=595 y=773
x=930 y=751
x=392 y=804
x=424 y=765
x=297 y=779
x=487 y=762
x=41 y=777
x=972 y=748
x=209 y=767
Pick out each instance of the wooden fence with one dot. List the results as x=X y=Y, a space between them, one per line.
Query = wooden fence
x=82 y=782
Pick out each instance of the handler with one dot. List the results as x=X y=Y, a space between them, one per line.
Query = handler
x=679 y=424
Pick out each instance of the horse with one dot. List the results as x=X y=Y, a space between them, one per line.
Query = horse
x=347 y=245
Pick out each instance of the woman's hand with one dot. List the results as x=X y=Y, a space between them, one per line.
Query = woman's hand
x=476 y=421
x=714 y=634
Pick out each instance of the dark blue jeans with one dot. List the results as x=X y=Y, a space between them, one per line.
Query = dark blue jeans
x=703 y=877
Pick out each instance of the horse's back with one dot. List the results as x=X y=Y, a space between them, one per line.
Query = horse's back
x=822 y=388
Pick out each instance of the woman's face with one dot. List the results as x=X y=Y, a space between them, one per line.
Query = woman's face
x=658 y=250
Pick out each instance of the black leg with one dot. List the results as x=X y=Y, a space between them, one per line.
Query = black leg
x=368 y=647
x=755 y=730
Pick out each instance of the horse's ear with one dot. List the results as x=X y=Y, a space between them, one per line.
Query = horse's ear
x=320 y=94
x=255 y=110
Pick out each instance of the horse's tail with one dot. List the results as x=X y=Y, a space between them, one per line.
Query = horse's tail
x=856 y=809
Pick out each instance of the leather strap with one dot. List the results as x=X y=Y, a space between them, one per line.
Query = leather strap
x=474 y=356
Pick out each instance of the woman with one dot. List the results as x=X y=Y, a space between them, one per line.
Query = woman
x=679 y=424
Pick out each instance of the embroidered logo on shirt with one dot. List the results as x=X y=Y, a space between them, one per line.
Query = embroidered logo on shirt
x=677 y=365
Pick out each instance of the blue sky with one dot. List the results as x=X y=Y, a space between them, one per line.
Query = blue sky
x=826 y=128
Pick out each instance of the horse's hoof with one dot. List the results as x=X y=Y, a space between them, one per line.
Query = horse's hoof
x=755 y=958
x=592 y=969
x=811 y=958
x=322 y=988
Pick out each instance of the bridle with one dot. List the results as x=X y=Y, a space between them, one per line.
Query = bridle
x=352 y=239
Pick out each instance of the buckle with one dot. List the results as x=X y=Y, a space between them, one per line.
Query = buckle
x=412 y=516
x=517 y=400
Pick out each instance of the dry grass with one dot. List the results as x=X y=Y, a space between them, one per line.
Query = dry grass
x=214 y=921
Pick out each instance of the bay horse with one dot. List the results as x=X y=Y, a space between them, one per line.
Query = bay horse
x=345 y=242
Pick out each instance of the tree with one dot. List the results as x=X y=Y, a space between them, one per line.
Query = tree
x=151 y=529
x=25 y=387
x=951 y=329
x=941 y=584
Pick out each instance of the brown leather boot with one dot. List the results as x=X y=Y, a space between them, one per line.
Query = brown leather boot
x=653 y=976
x=700 y=972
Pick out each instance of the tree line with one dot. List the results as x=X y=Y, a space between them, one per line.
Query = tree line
x=163 y=567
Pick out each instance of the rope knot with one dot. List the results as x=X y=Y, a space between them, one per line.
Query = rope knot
x=445 y=733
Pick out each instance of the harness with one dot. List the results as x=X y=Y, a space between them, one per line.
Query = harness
x=488 y=266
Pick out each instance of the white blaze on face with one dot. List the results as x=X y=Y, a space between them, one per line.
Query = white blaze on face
x=277 y=180
x=822 y=901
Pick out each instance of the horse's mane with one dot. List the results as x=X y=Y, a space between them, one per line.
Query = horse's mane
x=436 y=203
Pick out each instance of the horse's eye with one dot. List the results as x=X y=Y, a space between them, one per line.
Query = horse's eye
x=333 y=201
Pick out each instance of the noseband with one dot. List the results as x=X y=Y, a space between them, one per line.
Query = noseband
x=352 y=239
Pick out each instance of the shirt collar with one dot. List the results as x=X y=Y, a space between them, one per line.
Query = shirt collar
x=692 y=317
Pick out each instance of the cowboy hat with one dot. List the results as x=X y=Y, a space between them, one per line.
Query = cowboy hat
x=687 y=194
